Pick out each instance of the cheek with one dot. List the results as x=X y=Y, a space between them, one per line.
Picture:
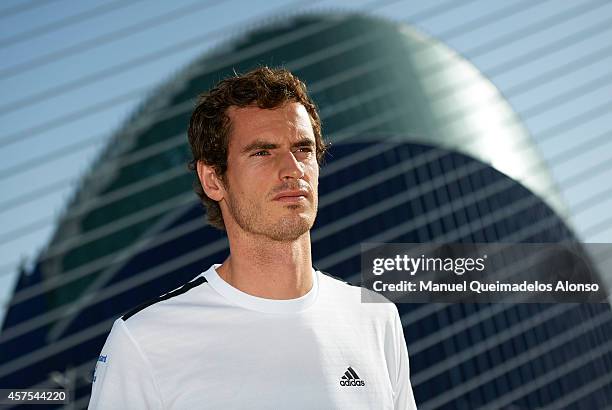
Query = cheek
x=313 y=174
x=244 y=178
x=312 y=168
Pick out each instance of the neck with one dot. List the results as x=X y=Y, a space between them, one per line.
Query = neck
x=269 y=269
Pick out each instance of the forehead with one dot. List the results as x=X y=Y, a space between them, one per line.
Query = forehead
x=253 y=122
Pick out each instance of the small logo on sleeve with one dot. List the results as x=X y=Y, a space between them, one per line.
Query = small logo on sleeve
x=101 y=359
x=350 y=378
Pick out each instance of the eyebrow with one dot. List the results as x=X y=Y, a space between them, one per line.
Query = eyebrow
x=262 y=144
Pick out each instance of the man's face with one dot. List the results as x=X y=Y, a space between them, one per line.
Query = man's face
x=272 y=174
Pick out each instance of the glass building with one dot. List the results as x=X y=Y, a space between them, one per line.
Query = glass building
x=424 y=149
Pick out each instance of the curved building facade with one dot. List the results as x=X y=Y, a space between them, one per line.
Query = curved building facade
x=424 y=149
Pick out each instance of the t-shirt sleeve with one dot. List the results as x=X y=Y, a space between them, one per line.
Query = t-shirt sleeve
x=123 y=377
x=403 y=396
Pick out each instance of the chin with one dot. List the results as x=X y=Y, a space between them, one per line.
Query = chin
x=290 y=229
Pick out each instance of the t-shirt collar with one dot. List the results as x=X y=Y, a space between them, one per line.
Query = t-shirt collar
x=251 y=302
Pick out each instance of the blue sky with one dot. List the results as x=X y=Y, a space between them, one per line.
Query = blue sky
x=535 y=38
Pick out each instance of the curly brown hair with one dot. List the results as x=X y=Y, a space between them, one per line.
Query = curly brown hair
x=209 y=127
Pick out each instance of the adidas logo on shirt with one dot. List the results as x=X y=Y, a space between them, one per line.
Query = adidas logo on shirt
x=350 y=378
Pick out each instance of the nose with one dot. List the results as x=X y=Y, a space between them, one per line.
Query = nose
x=291 y=167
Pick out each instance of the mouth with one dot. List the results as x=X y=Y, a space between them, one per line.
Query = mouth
x=292 y=196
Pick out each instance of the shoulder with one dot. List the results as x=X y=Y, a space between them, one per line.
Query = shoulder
x=342 y=285
x=154 y=323
x=356 y=298
x=172 y=302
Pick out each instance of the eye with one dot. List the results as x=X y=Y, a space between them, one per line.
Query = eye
x=260 y=153
x=305 y=149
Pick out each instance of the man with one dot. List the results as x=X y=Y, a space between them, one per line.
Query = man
x=263 y=329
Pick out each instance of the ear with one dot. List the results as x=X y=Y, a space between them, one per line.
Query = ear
x=211 y=183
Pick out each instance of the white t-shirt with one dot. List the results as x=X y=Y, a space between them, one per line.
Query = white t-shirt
x=208 y=345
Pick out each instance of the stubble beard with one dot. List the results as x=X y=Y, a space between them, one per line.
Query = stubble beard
x=252 y=219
